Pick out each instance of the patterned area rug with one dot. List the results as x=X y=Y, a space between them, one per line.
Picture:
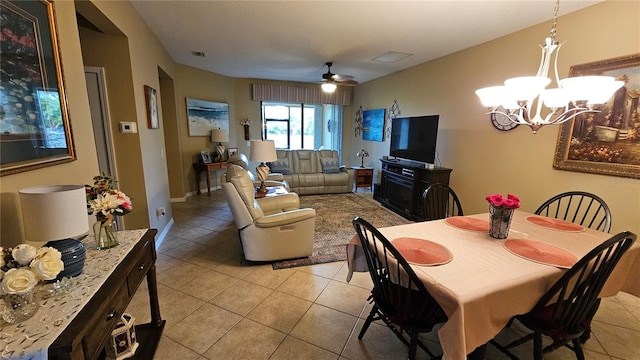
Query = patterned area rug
x=334 y=213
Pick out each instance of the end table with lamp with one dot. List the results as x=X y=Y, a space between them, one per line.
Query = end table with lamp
x=363 y=175
x=263 y=151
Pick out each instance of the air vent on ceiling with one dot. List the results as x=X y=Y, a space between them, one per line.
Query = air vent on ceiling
x=198 y=53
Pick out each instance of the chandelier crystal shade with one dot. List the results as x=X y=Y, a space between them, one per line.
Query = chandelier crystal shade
x=520 y=96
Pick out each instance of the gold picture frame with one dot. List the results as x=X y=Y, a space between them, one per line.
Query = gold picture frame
x=35 y=130
x=607 y=142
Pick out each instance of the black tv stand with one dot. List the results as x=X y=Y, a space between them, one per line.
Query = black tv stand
x=404 y=181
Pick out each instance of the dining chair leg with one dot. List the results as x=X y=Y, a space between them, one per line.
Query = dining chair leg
x=413 y=345
x=368 y=322
x=577 y=348
x=537 y=346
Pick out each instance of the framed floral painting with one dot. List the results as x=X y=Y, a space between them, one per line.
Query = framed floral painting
x=34 y=120
x=608 y=141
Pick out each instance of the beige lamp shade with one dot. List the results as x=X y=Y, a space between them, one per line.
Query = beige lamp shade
x=219 y=136
x=54 y=212
x=263 y=151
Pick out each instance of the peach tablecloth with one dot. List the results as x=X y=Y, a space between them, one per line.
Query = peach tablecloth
x=485 y=284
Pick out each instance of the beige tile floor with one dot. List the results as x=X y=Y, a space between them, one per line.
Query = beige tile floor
x=219 y=308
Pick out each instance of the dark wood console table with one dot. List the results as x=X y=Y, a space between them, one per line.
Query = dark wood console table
x=403 y=182
x=199 y=167
x=87 y=334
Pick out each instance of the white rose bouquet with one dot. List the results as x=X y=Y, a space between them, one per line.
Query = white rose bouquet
x=22 y=267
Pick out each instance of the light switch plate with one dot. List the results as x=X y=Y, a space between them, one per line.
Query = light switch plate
x=128 y=127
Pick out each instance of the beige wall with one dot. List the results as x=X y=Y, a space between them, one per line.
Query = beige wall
x=485 y=160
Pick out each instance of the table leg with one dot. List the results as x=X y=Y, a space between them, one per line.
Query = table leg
x=197 y=182
x=208 y=182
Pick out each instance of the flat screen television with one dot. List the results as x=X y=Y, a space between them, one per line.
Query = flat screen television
x=414 y=138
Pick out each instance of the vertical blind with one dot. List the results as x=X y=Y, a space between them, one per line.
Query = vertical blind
x=300 y=94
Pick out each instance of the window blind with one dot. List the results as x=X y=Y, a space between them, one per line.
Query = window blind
x=300 y=94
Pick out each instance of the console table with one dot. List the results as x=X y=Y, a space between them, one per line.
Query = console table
x=402 y=184
x=78 y=323
x=199 y=167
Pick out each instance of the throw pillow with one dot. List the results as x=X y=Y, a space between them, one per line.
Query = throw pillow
x=330 y=165
x=280 y=166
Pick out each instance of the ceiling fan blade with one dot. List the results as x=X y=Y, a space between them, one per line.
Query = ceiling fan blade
x=347 y=82
x=339 y=78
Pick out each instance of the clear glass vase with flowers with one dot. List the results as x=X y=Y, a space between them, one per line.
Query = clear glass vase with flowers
x=500 y=214
x=105 y=202
x=21 y=269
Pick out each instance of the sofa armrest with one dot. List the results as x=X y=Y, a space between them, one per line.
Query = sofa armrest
x=275 y=177
x=279 y=203
x=285 y=218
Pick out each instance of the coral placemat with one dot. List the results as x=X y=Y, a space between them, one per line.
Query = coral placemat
x=555 y=224
x=541 y=252
x=467 y=223
x=422 y=252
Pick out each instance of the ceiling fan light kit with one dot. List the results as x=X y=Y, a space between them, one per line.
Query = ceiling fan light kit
x=331 y=80
x=573 y=96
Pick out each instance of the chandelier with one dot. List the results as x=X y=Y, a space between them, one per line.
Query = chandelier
x=572 y=97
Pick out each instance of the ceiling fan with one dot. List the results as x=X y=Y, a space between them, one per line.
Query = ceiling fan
x=330 y=80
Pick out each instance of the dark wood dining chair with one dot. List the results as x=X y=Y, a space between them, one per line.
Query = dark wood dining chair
x=399 y=298
x=439 y=202
x=562 y=313
x=578 y=207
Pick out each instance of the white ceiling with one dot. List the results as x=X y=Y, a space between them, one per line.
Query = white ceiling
x=292 y=40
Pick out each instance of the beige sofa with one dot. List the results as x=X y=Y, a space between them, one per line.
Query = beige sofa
x=313 y=171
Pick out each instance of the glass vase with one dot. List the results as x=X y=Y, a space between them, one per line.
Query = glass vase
x=500 y=220
x=104 y=233
x=19 y=307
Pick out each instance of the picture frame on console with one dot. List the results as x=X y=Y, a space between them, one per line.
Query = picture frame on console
x=205 y=156
x=35 y=129
x=606 y=142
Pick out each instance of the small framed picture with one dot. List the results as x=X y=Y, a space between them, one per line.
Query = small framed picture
x=233 y=151
x=206 y=157
x=151 y=98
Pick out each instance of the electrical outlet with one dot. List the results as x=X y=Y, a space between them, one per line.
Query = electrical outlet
x=127 y=127
x=160 y=212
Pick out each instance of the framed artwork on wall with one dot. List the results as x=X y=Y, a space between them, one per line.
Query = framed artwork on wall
x=373 y=125
x=35 y=129
x=203 y=115
x=151 y=99
x=606 y=142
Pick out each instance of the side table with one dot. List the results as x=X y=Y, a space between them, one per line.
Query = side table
x=363 y=177
x=199 y=167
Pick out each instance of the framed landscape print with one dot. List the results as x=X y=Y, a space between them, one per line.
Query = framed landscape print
x=202 y=116
x=608 y=141
x=34 y=120
x=373 y=125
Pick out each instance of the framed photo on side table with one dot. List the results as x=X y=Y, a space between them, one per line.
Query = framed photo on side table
x=605 y=142
x=233 y=151
x=206 y=157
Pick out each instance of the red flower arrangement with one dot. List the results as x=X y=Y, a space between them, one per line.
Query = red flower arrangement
x=511 y=202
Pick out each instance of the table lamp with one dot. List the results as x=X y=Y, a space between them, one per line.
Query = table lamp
x=53 y=216
x=219 y=136
x=263 y=151
x=362 y=154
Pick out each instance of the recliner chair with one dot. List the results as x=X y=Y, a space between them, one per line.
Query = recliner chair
x=270 y=228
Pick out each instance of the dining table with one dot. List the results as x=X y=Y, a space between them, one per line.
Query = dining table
x=484 y=282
